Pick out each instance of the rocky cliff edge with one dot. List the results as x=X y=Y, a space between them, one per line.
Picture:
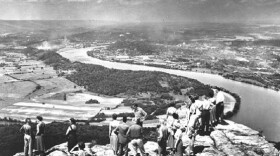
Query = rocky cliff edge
x=229 y=139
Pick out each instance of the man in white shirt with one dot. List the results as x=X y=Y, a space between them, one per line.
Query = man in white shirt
x=195 y=112
x=205 y=116
x=220 y=105
x=139 y=113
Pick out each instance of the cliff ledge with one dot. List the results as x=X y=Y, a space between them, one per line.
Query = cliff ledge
x=228 y=139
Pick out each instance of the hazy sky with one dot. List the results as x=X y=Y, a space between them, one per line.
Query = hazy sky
x=141 y=10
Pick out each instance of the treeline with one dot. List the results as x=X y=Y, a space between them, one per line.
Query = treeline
x=106 y=81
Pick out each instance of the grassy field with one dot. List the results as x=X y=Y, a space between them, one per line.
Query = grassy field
x=50 y=112
x=52 y=86
x=35 y=74
x=5 y=79
x=16 y=89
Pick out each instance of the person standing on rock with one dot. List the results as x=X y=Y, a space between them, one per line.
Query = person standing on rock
x=205 y=116
x=71 y=134
x=220 y=106
x=26 y=129
x=183 y=112
x=135 y=134
x=169 y=114
x=122 y=137
x=195 y=113
x=113 y=133
x=180 y=148
x=162 y=138
x=172 y=131
x=39 y=138
x=213 y=109
x=139 y=113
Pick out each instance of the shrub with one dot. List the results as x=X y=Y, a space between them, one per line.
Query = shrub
x=92 y=101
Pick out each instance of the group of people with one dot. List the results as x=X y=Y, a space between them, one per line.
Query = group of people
x=176 y=131
x=39 y=137
x=122 y=133
x=39 y=149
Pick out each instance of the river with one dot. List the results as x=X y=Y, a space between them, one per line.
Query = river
x=259 y=106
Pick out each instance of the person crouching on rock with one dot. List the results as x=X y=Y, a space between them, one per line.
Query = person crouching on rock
x=39 y=138
x=135 y=133
x=82 y=151
x=26 y=129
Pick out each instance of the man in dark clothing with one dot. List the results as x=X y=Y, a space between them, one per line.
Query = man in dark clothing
x=135 y=133
x=205 y=116
x=162 y=138
x=122 y=137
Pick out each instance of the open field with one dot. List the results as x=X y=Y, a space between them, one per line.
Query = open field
x=50 y=112
x=35 y=74
x=5 y=79
x=32 y=88
x=52 y=86
x=16 y=89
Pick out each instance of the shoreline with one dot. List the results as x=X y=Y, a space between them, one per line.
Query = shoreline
x=238 y=79
x=217 y=74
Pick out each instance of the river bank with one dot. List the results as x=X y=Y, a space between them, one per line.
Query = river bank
x=255 y=100
x=225 y=74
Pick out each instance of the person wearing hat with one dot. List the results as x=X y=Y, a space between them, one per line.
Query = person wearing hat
x=71 y=134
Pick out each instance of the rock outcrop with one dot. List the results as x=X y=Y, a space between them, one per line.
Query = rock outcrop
x=229 y=139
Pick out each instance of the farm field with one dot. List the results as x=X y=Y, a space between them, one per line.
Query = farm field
x=35 y=74
x=5 y=79
x=52 y=86
x=17 y=89
x=50 y=112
